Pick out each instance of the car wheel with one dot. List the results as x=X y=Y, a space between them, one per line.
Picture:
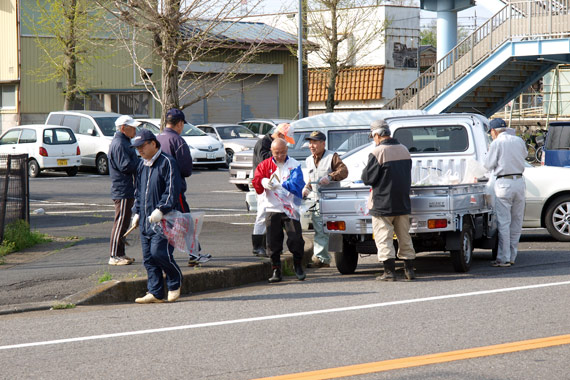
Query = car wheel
x=242 y=186
x=558 y=218
x=102 y=164
x=347 y=260
x=33 y=168
x=229 y=157
x=461 y=258
x=72 y=171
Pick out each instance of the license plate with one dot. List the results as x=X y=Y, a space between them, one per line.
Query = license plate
x=61 y=162
x=241 y=175
x=210 y=156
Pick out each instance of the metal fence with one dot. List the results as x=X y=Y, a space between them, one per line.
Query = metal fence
x=14 y=190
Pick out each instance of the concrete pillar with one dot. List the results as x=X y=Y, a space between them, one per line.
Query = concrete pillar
x=446 y=32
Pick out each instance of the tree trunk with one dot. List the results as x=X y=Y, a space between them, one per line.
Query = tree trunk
x=333 y=60
x=70 y=59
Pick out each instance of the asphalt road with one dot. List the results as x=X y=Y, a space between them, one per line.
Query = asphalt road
x=323 y=323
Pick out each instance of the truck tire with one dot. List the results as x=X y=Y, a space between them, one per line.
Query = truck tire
x=346 y=260
x=242 y=186
x=462 y=258
x=557 y=218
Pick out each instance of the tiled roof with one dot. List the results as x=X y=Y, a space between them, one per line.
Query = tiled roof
x=356 y=83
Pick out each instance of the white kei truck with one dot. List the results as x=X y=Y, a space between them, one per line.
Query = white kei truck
x=450 y=209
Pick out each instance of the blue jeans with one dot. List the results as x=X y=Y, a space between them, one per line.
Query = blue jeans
x=158 y=258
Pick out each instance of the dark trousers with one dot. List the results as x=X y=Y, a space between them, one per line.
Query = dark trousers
x=122 y=221
x=275 y=222
x=158 y=258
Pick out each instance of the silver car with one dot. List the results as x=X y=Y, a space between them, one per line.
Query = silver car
x=236 y=138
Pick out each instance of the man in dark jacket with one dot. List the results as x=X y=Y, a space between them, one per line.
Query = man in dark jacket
x=261 y=152
x=173 y=144
x=389 y=172
x=156 y=194
x=123 y=162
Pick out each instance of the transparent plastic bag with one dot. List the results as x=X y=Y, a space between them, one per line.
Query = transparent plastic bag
x=181 y=230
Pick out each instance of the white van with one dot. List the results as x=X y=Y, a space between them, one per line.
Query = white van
x=94 y=131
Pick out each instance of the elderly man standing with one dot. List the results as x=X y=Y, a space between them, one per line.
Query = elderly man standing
x=123 y=162
x=262 y=151
x=281 y=180
x=324 y=167
x=505 y=160
x=389 y=172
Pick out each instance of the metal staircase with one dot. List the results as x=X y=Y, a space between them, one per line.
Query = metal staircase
x=507 y=54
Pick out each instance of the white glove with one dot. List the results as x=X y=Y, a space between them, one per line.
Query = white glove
x=156 y=216
x=306 y=192
x=266 y=183
x=324 y=181
x=135 y=221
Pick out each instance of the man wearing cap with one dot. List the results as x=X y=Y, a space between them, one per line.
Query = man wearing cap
x=262 y=151
x=280 y=178
x=123 y=162
x=505 y=160
x=156 y=194
x=173 y=144
x=325 y=169
x=389 y=172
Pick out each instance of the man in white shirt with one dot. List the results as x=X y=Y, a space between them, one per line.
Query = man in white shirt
x=505 y=160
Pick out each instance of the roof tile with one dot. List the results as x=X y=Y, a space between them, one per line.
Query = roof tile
x=356 y=83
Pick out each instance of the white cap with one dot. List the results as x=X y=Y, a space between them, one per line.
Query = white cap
x=126 y=120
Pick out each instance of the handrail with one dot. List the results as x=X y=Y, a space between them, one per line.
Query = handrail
x=517 y=21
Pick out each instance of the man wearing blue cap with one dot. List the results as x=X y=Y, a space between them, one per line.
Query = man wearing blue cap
x=505 y=160
x=173 y=144
x=156 y=193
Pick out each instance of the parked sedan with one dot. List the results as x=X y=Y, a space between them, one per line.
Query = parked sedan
x=205 y=150
x=236 y=138
x=47 y=146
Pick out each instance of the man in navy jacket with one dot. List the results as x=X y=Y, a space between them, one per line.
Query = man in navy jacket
x=123 y=162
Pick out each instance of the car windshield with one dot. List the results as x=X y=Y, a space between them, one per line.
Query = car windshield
x=107 y=125
x=235 y=132
x=190 y=130
x=151 y=127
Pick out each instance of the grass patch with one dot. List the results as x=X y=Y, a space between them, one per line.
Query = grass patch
x=288 y=268
x=18 y=236
x=63 y=306
x=105 y=277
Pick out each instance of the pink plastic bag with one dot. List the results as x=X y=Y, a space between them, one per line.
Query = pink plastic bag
x=182 y=230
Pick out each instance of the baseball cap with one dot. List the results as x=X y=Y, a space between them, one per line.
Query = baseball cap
x=143 y=136
x=126 y=120
x=287 y=130
x=379 y=127
x=174 y=115
x=316 y=135
x=497 y=123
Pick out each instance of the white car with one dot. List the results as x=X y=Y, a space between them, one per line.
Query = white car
x=205 y=149
x=47 y=146
x=236 y=138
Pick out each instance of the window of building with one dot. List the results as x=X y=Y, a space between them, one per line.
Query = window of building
x=7 y=96
x=135 y=104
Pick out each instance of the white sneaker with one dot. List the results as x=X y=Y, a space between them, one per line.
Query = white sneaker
x=148 y=298
x=173 y=295
x=119 y=260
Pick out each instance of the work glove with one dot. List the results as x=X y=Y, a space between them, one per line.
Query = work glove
x=266 y=183
x=135 y=221
x=324 y=180
x=306 y=192
x=156 y=216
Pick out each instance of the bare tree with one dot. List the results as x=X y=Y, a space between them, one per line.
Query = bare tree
x=189 y=32
x=344 y=30
x=64 y=30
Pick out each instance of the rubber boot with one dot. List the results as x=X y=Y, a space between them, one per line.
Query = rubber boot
x=299 y=272
x=389 y=271
x=409 y=269
x=258 y=242
x=276 y=277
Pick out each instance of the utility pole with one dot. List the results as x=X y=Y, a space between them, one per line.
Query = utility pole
x=300 y=62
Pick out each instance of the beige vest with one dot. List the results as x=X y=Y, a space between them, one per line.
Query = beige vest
x=323 y=169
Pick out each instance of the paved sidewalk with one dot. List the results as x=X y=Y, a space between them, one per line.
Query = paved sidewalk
x=68 y=269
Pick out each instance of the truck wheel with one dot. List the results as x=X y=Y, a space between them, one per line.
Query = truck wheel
x=346 y=260
x=557 y=219
x=242 y=186
x=461 y=258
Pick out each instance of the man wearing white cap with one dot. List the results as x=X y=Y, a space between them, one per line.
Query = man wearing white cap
x=123 y=163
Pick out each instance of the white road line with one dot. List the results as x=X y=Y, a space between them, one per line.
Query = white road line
x=282 y=316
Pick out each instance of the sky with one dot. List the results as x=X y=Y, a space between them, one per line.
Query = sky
x=476 y=15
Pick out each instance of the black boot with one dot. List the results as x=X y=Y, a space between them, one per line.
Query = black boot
x=389 y=271
x=409 y=269
x=276 y=277
x=299 y=272
x=258 y=242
